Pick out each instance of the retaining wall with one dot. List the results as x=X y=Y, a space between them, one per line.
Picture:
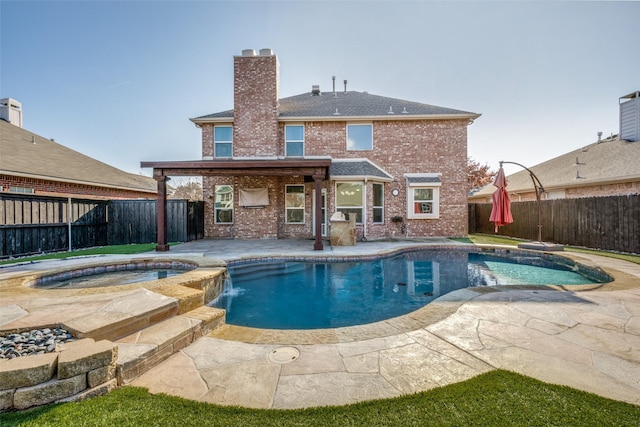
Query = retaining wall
x=75 y=371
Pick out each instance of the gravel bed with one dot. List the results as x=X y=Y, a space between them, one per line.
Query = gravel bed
x=37 y=341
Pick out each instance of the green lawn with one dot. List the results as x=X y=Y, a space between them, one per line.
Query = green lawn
x=102 y=250
x=498 y=398
x=486 y=239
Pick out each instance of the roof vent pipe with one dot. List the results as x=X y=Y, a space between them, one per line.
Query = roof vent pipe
x=334 y=85
x=315 y=90
x=345 y=87
x=599 y=136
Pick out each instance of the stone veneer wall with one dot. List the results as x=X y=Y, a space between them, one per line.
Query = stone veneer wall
x=75 y=371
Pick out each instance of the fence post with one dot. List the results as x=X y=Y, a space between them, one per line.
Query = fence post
x=69 y=212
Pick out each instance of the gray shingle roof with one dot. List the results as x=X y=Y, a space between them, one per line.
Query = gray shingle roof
x=423 y=179
x=609 y=161
x=357 y=168
x=351 y=104
x=24 y=153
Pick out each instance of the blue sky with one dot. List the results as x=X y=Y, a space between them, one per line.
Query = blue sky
x=118 y=80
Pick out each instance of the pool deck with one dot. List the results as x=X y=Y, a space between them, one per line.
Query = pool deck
x=586 y=339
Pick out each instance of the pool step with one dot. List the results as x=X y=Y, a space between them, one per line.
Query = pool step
x=124 y=316
x=142 y=350
x=261 y=271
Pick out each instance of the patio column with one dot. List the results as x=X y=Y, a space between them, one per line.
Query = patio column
x=318 y=177
x=161 y=212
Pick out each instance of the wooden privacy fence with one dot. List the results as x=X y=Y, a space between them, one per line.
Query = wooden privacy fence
x=609 y=223
x=134 y=221
x=32 y=224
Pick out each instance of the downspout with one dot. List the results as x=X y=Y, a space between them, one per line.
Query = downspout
x=364 y=210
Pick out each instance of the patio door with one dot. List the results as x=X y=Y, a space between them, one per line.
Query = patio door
x=323 y=208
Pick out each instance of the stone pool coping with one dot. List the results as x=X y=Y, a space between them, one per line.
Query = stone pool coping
x=431 y=313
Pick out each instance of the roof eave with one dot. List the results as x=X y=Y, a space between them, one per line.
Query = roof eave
x=341 y=118
x=75 y=181
x=205 y=120
x=360 y=178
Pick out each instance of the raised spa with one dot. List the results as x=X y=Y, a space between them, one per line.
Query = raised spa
x=112 y=275
x=311 y=295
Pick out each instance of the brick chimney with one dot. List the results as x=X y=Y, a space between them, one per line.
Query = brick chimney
x=255 y=103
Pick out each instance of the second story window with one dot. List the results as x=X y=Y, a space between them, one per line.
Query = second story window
x=294 y=140
x=360 y=137
x=223 y=141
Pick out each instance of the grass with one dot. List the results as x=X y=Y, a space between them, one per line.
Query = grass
x=497 y=398
x=485 y=239
x=102 y=250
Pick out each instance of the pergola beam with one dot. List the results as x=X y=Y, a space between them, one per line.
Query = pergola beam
x=317 y=169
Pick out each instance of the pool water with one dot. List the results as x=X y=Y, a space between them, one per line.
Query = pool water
x=113 y=278
x=311 y=295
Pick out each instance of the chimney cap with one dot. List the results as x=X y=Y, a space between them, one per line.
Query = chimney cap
x=266 y=52
x=248 y=52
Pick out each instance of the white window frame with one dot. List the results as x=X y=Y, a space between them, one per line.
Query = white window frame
x=349 y=125
x=216 y=143
x=217 y=209
x=363 y=203
x=288 y=208
x=373 y=200
x=435 y=202
x=21 y=190
x=286 y=141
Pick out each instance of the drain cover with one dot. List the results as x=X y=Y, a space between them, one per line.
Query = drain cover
x=284 y=355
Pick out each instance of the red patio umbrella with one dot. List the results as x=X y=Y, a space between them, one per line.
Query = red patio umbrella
x=501 y=210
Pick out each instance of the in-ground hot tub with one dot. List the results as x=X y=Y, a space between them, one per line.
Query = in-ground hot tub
x=165 y=275
x=113 y=274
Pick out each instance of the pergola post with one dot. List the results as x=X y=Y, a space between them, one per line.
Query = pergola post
x=161 y=213
x=318 y=177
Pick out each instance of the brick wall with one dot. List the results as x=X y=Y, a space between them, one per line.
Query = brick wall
x=207 y=140
x=65 y=188
x=400 y=147
x=619 y=189
x=255 y=98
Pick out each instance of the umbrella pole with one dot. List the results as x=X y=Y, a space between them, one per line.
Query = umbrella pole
x=539 y=189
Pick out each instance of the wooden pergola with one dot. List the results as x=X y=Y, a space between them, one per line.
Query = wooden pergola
x=315 y=169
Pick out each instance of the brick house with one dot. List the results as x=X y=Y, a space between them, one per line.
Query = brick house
x=279 y=168
x=32 y=164
x=606 y=167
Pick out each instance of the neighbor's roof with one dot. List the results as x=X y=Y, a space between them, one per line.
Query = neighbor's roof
x=609 y=161
x=351 y=104
x=25 y=154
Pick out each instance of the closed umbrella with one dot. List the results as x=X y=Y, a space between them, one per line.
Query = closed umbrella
x=501 y=210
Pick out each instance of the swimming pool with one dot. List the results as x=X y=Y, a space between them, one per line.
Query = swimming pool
x=312 y=295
